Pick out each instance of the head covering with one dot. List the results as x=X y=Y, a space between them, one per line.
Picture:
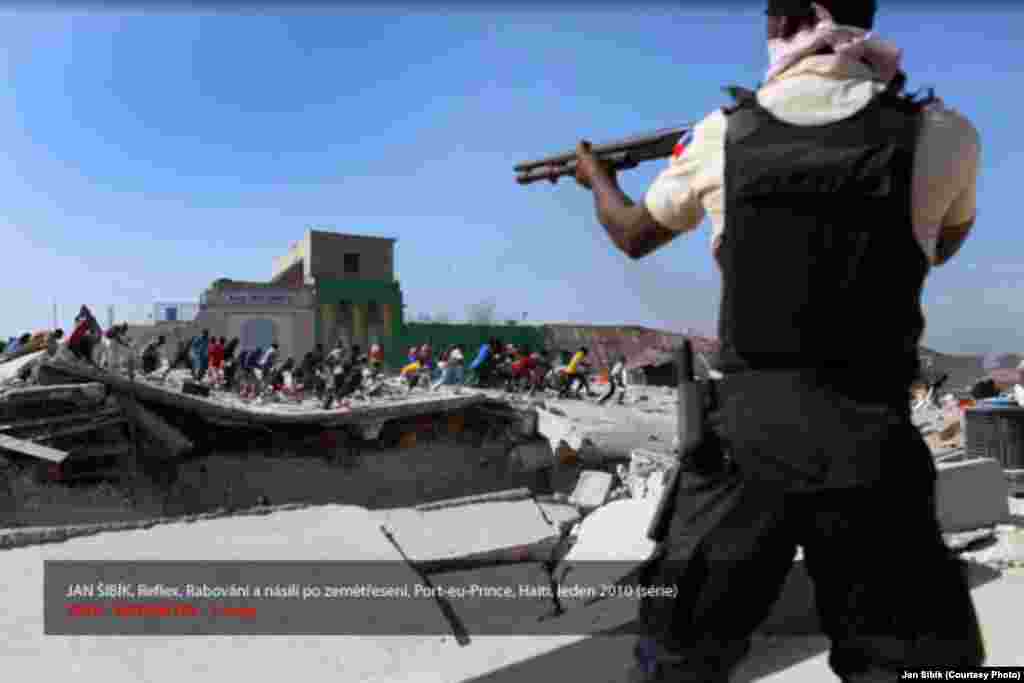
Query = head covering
x=847 y=41
x=788 y=8
x=859 y=13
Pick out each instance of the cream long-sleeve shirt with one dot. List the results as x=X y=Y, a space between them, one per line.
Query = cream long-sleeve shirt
x=819 y=90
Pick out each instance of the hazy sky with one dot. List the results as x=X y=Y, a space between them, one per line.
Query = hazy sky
x=149 y=152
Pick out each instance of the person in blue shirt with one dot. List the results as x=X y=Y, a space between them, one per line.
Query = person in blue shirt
x=200 y=355
x=478 y=368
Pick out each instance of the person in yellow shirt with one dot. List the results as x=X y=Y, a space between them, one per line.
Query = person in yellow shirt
x=575 y=371
x=410 y=374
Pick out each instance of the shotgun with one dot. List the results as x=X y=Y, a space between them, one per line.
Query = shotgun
x=620 y=155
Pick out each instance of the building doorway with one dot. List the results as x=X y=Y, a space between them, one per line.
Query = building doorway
x=258 y=333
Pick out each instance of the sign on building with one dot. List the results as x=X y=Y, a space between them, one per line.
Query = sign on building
x=258 y=298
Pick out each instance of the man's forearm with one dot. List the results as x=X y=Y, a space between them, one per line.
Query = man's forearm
x=950 y=241
x=630 y=226
x=612 y=204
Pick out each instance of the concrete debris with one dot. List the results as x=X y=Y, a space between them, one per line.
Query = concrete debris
x=468 y=529
x=174 y=442
x=592 y=490
x=646 y=474
x=971 y=494
x=31 y=449
x=611 y=504
x=12 y=370
x=559 y=430
x=531 y=456
x=495 y=497
x=371 y=430
x=950 y=431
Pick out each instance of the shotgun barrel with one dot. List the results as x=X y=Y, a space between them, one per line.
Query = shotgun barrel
x=620 y=155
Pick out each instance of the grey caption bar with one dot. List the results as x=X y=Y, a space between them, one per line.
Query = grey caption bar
x=328 y=598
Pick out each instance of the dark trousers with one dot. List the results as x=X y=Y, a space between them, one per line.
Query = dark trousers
x=230 y=374
x=200 y=364
x=567 y=385
x=345 y=386
x=150 y=362
x=889 y=593
x=83 y=349
x=612 y=384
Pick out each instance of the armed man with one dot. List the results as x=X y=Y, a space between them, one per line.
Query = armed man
x=831 y=194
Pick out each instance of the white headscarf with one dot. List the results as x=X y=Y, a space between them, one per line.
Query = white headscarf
x=848 y=41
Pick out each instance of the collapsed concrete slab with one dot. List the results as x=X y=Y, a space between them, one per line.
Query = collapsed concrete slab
x=559 y=430
x=647 y=472
x=971 y=494
x=228 y=410
x=592 y=490
x=609 y=433
x=12 y=368
x=468 y=529
x=532 y=456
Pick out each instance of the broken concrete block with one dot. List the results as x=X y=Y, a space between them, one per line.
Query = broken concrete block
x=370 y=431
x=950 y=430
x=558 y=430
x=592 y=489
x=643 y=463
x=526 y=427
x=610 y=543
x=530 y=456
x=565 y=455
x=971 y=494
x=456 y=423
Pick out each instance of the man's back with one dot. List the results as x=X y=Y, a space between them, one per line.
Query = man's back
x=819 y=90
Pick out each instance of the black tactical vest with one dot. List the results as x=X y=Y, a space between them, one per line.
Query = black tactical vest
x=820 y=267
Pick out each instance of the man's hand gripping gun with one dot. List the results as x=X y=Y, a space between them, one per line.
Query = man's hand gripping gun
x=618 y=155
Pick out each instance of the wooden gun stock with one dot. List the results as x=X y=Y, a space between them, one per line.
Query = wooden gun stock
x=620 y=155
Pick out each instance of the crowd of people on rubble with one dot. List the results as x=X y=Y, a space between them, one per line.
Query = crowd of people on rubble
x=516 y=369
x=259 y=372
x=334 y=376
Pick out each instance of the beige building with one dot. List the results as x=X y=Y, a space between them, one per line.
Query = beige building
x=358 y=299
x=260 y=313
x=329 y=286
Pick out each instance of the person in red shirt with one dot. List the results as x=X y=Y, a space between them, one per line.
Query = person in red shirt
x=376 y=357
x=216 y=353
x=81 y=342
x=519 y=370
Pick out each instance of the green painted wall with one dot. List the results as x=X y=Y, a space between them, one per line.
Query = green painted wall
x=359 y=291
x=362 y=292
x=404 y=335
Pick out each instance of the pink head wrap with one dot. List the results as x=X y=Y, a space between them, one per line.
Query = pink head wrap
x=847 y=41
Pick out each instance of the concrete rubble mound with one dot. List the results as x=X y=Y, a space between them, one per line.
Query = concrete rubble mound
x=592 y=477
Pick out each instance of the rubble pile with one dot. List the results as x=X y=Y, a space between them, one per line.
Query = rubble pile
x=54 y=429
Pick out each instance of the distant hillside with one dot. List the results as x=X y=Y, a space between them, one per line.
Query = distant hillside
x=964 y=369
